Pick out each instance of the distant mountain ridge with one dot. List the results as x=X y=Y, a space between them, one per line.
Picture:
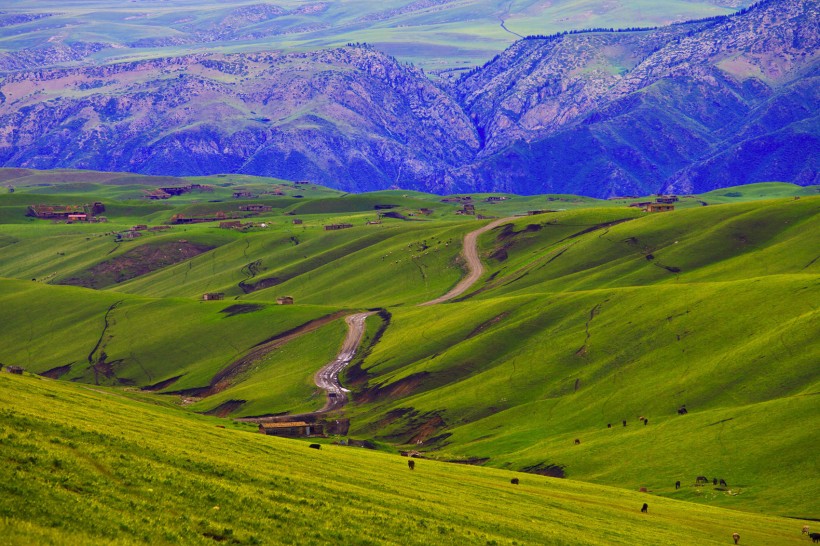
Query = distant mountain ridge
x=685 y=108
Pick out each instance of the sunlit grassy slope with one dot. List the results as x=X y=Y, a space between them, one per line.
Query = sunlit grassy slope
x=576 y=329
x=587 y=315
x=136 y=473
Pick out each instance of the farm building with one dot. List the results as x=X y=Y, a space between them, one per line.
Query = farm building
x=255 y=208
x=157 y=195
x=468 y=209
x=331 y=227
x=285 y=300
x=640 y=204
x=242 y=194
x=667 y=199
x=182 y=219
x=176 y=190
x=74 y=213
x=139 y=227
x=17 y=370
x=297 y=221
x=496 y=198
x=536 y=212
x=233 y=224
x=292 y=429
x=659 y=207
x=213 y=296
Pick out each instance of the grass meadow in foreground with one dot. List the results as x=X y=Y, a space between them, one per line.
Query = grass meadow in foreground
x=133 y=473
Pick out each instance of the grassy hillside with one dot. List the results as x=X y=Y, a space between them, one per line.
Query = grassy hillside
x=586 y=315
x=136 y=473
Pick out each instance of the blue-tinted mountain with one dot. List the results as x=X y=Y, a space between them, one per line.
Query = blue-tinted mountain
x=685 y=108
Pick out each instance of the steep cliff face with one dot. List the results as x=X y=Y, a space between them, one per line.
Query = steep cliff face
x=688 y=107
x=351 y=118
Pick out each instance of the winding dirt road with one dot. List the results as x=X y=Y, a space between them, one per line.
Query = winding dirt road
x=474 y=266
x=328 y=377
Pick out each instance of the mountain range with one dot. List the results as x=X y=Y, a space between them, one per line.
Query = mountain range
x=683 y=108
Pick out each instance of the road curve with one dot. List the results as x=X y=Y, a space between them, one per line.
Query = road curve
x=474 y=266
x=328 y=377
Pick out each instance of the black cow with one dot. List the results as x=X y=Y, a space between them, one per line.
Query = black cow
x=723 y=482
x=609 y=425
x=815 y=537
x=577 y=441
x=315 y=446
x=714 y=481
x=700 y=480
x=411 y=464
x=624 y=422
x=514 y=481
x=645 y=508
x=677 y=484
x=682 y=410
x=645 y=422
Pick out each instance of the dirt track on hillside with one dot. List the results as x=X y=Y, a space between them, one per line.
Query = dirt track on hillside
x=327 y=378
x=474 y=266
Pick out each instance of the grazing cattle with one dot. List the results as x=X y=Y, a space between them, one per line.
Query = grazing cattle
x=514 y=481
x=736 y=537
x=609 y=425
x=677 y=484
x=805 y=530
x=645 y=508
x=577 y=441
x=645 y=422
x=723 y=482
x=815 y=537
x=624 y=422
x=411 y=464
x=641 y=418
x=682 y=410
x=315 y=446
x=714 y=481
x=700 y=480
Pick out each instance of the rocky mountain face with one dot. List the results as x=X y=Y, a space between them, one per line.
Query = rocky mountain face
x=348 y=117
x=689 y=107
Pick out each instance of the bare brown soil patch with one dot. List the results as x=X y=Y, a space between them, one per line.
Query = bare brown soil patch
x=242 y=308
x=546 y=469
x=58 y=372
x=402 y=387
x=226 y=408
x=137 y=262
x=162 y=384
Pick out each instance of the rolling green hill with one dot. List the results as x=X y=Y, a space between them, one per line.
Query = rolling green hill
x=135 y=473
x=588 y=315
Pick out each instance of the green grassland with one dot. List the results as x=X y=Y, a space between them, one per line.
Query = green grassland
x=137 y=473
x=590 y=313
x=436 y=36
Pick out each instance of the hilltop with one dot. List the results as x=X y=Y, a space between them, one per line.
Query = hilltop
x=686 y=108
